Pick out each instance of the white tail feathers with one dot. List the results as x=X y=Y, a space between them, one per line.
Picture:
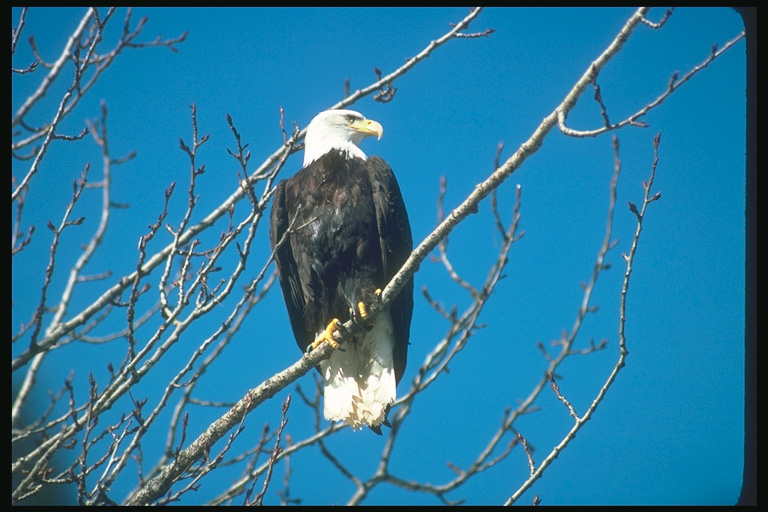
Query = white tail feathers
x=360 y=377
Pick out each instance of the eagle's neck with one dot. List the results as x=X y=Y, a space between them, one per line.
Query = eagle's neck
x=318 y=146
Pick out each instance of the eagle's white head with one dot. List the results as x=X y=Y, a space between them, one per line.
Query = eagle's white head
x=338 y=129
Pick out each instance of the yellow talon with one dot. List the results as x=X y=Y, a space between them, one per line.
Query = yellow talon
x=327 y=336
x=361 y=305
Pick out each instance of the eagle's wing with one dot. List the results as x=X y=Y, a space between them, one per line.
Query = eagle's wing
x=396 y=243
x=287 y=267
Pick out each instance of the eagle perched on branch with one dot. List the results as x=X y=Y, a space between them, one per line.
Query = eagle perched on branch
x=346 y=234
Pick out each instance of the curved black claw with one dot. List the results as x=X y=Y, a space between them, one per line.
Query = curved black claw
x=341 y=329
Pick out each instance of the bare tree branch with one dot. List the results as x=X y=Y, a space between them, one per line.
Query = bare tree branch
x=623 y=352
x=200 y=272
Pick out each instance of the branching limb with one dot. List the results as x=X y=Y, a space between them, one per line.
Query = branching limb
x=623 y=352
x=460 y=331
x=634 y=120
x=529 y=147
x=159 y=485
x=196 y=265
x=384 y=82
x=259 y=500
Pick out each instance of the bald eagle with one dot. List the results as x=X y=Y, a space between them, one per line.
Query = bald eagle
x=347 y=234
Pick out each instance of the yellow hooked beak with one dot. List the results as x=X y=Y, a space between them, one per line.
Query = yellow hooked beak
x=368 y=127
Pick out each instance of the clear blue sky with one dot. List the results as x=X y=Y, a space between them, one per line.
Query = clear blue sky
x=670 y=431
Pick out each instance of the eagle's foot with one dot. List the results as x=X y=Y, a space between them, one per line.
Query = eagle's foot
x=360 y=317
x=362 y=309
x=327 y=335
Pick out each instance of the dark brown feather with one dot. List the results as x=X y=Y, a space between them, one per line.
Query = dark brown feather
x=350 y=235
